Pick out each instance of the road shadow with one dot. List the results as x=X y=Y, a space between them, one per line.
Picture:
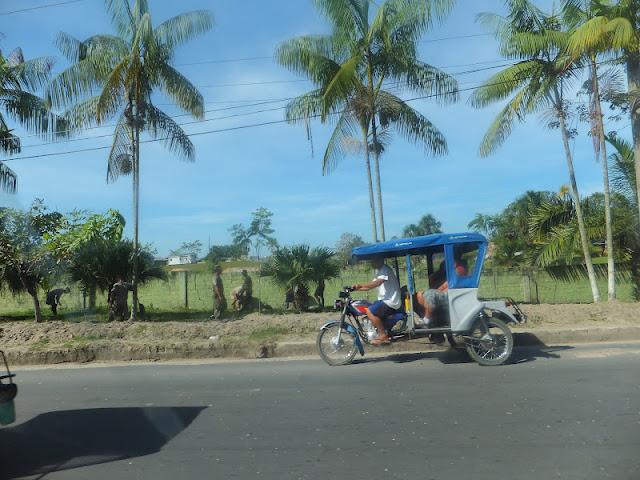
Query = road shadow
x=69 y=439
x=527 y=348
x=450 y=356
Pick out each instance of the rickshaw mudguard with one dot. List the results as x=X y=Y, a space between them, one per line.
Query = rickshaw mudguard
x=349 y=328
x=502 y=310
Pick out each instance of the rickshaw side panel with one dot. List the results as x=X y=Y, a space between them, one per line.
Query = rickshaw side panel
x=464 y=307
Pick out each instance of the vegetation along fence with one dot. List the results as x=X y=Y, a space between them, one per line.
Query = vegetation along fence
x=526 y=286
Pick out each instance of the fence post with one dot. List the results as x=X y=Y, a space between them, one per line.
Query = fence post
x=526 y=286
x=495 y=283
x=185 y=292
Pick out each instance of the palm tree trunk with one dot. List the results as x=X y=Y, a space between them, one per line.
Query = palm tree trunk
x=611 y=269
x=635 y=272
x=136 y=205
x=633 y=82
x=376 y=164
x=372 y=205
x=576 y=200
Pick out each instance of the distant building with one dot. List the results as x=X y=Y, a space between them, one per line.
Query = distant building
x=181 y=260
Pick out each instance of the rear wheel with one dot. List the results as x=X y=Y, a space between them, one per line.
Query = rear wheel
x=336 y=351
x=492 y=345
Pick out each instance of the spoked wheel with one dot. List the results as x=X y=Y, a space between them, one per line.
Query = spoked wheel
x=491 y=346
x=336 y=351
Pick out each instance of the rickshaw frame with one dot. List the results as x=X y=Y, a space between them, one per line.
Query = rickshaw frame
x=470 y=319
x=464 y=304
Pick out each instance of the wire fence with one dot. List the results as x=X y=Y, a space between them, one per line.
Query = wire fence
x=193 y=291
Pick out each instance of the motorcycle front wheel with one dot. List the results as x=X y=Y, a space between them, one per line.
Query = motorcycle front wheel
x=336 y=351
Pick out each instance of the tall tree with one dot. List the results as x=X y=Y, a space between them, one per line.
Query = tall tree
x=345 y=244
x=350 y=67
x=125 y=70
x=617 y=26
x=19 y=78
x=192 y=248
x=25 y=263
x=259 y=233
x=427 y=225
x=80 y=243
x=536 y=83
x=576 y=13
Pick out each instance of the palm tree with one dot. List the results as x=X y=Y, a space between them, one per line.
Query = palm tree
x=535 y=84
x=350 y=67
x=116 y=75
x=324 y=266
x=18 y=78
x=427 y=225
x=617 y=26
x=577 y=12
x=553 y=226
x=296 y=266
x=624 y=182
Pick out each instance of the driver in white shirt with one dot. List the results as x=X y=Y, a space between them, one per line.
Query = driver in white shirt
x=389 y=298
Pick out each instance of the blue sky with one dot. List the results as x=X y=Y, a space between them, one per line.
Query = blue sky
x=271 y=166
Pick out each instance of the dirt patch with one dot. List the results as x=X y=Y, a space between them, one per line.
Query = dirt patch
x=250 y=337
x=582 y=315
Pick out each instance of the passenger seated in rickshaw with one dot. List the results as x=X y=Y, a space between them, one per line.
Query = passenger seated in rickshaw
x=389 y=298
x=428 y=304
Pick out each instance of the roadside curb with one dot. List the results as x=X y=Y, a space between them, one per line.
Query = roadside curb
x=106 y=351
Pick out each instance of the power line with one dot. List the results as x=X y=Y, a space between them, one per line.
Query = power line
x=268 y=82
x=422 y=97
x=266 y=102
x=227 y=129
x=388 y=85
x=224 y=60
x=49 y=5
x=456 y=37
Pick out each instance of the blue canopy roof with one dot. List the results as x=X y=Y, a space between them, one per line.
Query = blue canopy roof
x=416 y=245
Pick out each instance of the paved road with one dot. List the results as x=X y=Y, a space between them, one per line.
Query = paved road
x=568 y=413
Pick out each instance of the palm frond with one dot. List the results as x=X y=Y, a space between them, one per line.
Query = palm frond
x=33 y=74
x=502 y=126
x=75 y=82
x=162 y=126
x=120 y=160
x=180 y=90
x=341 y=86
x=8 y=178
x=504 y=83
x=113 y=92
x=182 y=28
x=410 y=123
x=83 y=114
x=304 y=107
x=121 y=17
x=428 y=80
x=599 y=34
x=314 y=56
x=337 y=145
x=33 y=113
x=623 y=171
x=348 y=17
